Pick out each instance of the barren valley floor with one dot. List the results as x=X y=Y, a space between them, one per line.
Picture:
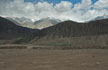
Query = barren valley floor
x=23 y=59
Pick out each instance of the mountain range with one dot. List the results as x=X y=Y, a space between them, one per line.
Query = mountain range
x=39 y=24
x=68 y=33
x=46 y=22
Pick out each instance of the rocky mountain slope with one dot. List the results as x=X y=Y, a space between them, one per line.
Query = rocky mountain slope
x=12 y=33
x=73 y=29
x=77 y=35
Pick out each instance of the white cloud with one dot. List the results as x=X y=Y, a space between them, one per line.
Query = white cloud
x=101 y=4
x=84 y=5
x=63 y=6
x=64 y=10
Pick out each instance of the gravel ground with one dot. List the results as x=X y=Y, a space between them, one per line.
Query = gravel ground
x=23 y=59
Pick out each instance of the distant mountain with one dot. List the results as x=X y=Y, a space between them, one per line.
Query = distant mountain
x=25 y=22
x=13 y=20
x=40 y=24
x=101 y=17
x=12 y=33
x=46 y=22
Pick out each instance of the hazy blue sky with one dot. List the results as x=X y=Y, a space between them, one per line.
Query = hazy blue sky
x=57 y=1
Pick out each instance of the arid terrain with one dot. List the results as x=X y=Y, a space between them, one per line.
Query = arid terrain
x=31 y=59
x=53 y=34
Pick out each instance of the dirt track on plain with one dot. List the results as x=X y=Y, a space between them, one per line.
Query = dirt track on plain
x=91 y=59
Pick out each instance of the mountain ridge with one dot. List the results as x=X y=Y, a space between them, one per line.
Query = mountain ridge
x=69 y=33
x=39 y=24
x=10 y=32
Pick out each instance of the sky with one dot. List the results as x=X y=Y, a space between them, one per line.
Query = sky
x=53 y=1
x=57 y=1
x=75 y=10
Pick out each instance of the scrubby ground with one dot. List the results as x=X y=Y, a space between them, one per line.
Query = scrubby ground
x=30 y=59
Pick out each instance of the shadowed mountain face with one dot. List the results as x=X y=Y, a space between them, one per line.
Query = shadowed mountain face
x=73 y=29
x=10 y=32
x=77 y=35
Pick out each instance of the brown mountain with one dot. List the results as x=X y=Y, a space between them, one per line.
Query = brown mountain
x=73 y=29
x=91 y=34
